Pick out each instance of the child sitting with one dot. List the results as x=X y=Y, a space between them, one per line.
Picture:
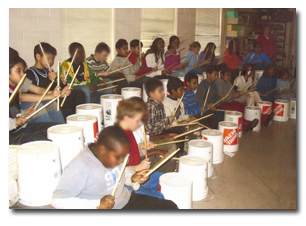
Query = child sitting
x=284 y=92
x=88 y=180
x=122 y=50
x=192 y=106
x=97 y=63
x=130 y=114
x=40 y=76
x=134 y=54
x=19 y=131
x=173 y=58
x=192 y=54
x=155 y=59
x=243 y=82
x=258 y=58
x=267 y=83
x=85 y=80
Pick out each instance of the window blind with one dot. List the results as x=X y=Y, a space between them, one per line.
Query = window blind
x=157 y=22
x=86 y=26
x=208 y=27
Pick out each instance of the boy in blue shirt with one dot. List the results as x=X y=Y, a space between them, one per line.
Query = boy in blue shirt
x=267 y=83
x=192 y=106
x=258 y=58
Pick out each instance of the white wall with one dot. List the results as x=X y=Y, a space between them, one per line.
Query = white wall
x=28 y=26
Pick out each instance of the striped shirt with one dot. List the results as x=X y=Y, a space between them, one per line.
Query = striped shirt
x=192 y=106
x=96 y=66
x=157 y=118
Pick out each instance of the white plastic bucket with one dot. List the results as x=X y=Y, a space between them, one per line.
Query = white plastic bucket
x=89 y=124
x=109 y=104
x=235 y=117
x=281 y=110
x=230 y=136
x=129 y=92
x=251 y=113
x=216 y=138
x=292 y=113
x=69 y=139
x=177 y=187
x=203 y=149
x=91 y=109
x=39 y=170
x=195 y=168
x=266 y=107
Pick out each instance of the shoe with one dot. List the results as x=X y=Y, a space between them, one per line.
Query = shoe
x=252 y=125
x=269 y=118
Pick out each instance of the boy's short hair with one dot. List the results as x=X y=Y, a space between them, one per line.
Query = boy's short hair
x=174 y=83
x=13 y=52
x=120 y=43
x=13 y=60
x=102 y=46
x=257 y=43
x=189 y=76
x=224 y=70
x=47 y=49
x=282 y=72
x=134 y=43
x=130 y=107
x=73 y=46
x=112 y=135
x=210 y=69
x=152 y=84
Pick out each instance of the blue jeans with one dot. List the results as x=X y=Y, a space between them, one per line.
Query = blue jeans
x=198 y=70
x=86 y=90
x=150 y=187
x=49 y=114
x=179 y=73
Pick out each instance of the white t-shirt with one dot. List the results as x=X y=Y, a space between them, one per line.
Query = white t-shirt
x=241 y=83
x=138 y=134
x=170 y=106
x=150 y=60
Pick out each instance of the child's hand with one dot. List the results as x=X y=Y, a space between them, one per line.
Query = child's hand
x=183 y=122
x=93 y=88
x=150 y=145
x=247 y=94
x=214 y=109
x=104 y=73
x=30 y=110
x=195 y=65
x=142 y=55
x=64 y=81
x=103 y=83
x=155 y=68
x=140 y=177
x=52 y=75
x=171 y=119
x=170 y=135
x=118 y=67
x=66 y=91
x=107 y=202
x=144 y=165
x=56 y=92
x=21 y=120
x=191 y=117
x=267 y=94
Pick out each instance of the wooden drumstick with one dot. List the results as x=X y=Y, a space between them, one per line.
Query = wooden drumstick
x=71 y=83
x=274 y=89
x=179 y=103
x=67 y=73
x=183 y=159
x=190 y=131
x=110 y=87
x=230 y=90
x=145 y=140
x=126 y=59
x=204 y=126
x=17 y=88
x=58 y=84
x=185 y=124
x=117 y=80
x=120 y=69
x=120 y=175
x=205 y=99
x=160 y=164
x=196 y=120
x=171 y=142
x=43 y=95
x=44 y=55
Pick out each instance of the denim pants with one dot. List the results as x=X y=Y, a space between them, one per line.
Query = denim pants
x=150 y=187
x=179 y=73
x=49 y=114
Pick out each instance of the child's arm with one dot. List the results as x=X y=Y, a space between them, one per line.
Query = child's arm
x=26 y=97
x=154 y=126
x=266 y=59
x=247 y=58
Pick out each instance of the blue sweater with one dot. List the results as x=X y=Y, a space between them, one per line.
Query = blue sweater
x=191 y=62
x=262 y=58
x=266 y=84
x=191 y=105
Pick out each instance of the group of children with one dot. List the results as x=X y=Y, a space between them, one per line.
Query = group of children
x=89 y=178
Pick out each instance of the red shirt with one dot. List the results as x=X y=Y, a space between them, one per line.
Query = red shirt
x=144 y=68
x=134 y=153
x=268 y=45
x=232 y=61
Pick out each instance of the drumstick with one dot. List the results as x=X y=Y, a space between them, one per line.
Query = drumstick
x=67 y=73
x=185 y=124
x=126 y=59
x=160 y=164
x=58 y=84
x=43 y=107
x=117 y=80
x=251 y=58
x=183 y=134
x=288 y=85
x=71 y=83
x=170 y=142
x=251 y=85
x=274 y=89
x=179 y=103
x=17 y=88
x=204 y=126
x=43 y=52
x=256 y=62
x=145 y=140
x=120 y=175
x=140 y=51
x=120 y=69
x=206 y=99
x=196 y=120
x=181 y=49
x=183 y=159
x=230 y=90
x=180 y=65
x=110 y=87
x=44 y=94
x=217 y=102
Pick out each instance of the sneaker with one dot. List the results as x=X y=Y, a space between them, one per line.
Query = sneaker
x=269 y=118
x=252 y=125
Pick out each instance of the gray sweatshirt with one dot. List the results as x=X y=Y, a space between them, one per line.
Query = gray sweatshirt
x=128 y=72
x=85 y=181
x=223 y=87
